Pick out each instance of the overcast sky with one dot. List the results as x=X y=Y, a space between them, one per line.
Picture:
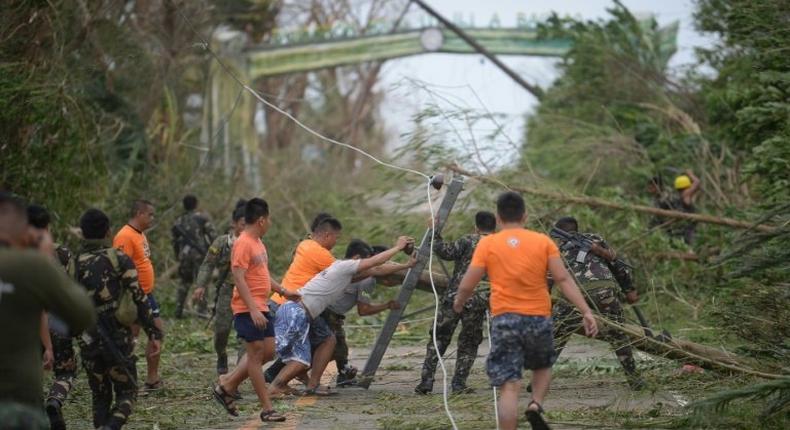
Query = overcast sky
x=498 y=92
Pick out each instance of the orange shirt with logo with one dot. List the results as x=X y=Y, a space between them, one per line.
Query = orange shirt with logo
x=249 y=253
x=517 y=261
x=134 y=244
x=309 y=260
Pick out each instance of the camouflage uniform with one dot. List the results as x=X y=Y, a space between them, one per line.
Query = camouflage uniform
x=65 y=362
x=599 y=281
x=471 y=317
x=682 y=229
x=192 y=234
x=106 y=350
x=218 y=257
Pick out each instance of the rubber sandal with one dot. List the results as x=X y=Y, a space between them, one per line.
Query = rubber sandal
x=315 y=392
x=272 y=417
x=225 y=399
x=535 y=418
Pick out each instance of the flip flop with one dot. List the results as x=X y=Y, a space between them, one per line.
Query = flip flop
x=315 y=392
x=272 y=417
x=226 y=400
x=535 y=418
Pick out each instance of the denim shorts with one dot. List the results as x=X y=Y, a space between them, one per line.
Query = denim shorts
x=248 y=332
x=519 y=342
x=292 y=334
x=153 y=304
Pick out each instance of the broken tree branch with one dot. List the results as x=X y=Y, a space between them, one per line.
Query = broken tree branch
x=596 y=202
x=675 y=349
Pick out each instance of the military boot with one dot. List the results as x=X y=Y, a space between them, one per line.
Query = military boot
x=346 y=376
x=425 y=387
x=56 y=421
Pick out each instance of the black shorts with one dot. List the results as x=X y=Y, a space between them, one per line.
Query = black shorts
x=246 y=330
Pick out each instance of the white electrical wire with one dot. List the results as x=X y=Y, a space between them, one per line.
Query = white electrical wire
x=433 y=229
x=320 y=136
x=496 y=407
x=436 y=314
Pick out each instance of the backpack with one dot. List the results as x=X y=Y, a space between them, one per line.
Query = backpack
x=126 y=312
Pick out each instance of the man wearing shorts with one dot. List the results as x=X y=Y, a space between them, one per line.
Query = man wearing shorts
x=296 y=319
x=250 y=268
x=132 y=241
x=312 y=255
x=517 y=262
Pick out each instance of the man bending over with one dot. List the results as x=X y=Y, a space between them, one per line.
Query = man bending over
x=294 y=319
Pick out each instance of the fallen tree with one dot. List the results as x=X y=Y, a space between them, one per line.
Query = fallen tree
x=674 y=349
x=596 y=202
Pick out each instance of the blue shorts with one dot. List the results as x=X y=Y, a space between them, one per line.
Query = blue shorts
x=292 y=330
x=519 y=342
x=246 y=330
x=153 y=304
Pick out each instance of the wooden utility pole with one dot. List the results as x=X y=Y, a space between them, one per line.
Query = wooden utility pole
x=409 y=284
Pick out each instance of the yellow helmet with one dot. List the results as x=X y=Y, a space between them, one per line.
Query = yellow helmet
x=682 y=182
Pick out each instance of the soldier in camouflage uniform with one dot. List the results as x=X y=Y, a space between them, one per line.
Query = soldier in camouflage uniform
x=471 y=318
x=106 y=350
x=65 y=362
x=598 y=277
x=192 y=235
x=218 y=257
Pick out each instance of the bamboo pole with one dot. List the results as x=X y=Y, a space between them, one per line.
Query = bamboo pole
x=596 y=202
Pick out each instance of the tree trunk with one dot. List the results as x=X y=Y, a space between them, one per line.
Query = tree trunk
x=674 y=349
x=595 y=202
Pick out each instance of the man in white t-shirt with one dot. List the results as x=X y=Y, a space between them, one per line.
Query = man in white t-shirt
x=292 y=324
x=358 y=294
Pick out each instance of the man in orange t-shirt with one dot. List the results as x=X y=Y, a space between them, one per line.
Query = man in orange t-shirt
x=132 y=241
x=517 y=262
x=251 y=318
x=311 y=257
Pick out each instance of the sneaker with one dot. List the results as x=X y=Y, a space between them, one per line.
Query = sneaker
x=56 y=421
x=222 y=364
x=424 y=388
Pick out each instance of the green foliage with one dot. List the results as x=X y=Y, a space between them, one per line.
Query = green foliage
x=604 y=113
x=747 y=102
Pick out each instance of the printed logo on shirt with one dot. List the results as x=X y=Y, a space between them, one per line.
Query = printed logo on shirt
x=513 y=242
x=146 y=249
